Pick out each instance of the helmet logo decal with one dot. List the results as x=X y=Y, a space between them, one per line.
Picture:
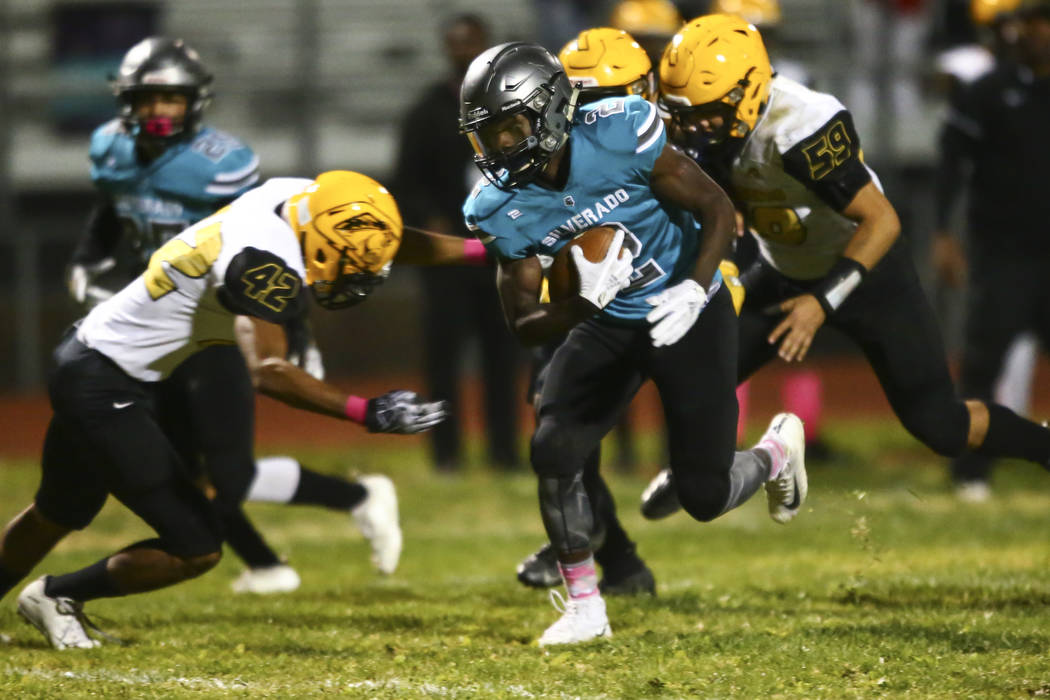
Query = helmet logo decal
x=364 y=220
x=511 y=84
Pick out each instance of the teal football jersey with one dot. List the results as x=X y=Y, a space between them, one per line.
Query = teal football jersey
x=613 y=144
x=187 y=182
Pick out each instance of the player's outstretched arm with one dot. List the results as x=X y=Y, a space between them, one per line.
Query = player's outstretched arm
x=421 y=247
x=265 y=345
x=677 y=179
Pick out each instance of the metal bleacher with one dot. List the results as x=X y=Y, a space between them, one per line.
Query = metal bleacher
x=334 y=73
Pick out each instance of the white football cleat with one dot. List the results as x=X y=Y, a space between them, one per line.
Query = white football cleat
x=582 y=620
x=973 y=491
x=59 y=619
x=377 y=518
x=787 y=491
x=264 y=580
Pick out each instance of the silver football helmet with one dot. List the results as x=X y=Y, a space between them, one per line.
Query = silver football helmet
x=158 y=64
x=510 y=80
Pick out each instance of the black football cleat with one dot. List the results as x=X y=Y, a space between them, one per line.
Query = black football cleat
x=660 y=498
x=631 y=577
x=540 y=569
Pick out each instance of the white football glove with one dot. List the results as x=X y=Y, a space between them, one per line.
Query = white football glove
x=403 y=412
x=677 y=309
x=600 y=281
x=81 y=276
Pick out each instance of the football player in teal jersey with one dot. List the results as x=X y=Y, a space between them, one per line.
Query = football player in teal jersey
x=653 y=308
x=159 y=169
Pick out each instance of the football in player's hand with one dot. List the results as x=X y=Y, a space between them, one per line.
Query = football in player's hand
x=563 y=280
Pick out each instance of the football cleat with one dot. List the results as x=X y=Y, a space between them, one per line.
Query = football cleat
x=582 y=620
x=540 y=569
x=630 y=577
x=660 y=497
x=264 y=580
x=377 y=518
x=973 y=491
x=786 y=492
x=60 y=620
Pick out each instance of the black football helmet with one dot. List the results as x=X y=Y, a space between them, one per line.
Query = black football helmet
x=507 y=80
x=159 y=64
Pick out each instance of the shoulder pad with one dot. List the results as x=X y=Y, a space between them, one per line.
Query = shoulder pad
x=212 y=167
x=796 y=113
x=112 y=154
x=623 y=124
x=261 y=284
x=485 y=200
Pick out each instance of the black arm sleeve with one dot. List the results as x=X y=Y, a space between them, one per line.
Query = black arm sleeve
x=259 y=283
x=830 y=162
x=101 y=235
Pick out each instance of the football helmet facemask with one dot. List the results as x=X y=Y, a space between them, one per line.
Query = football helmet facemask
x=507 y=88
x=606 y=62
x=716 y=66
x=349 y=228
x=160 y=64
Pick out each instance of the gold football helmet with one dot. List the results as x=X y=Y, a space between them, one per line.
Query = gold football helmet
x=606 y=62
x=646 y=17
x=716 y=68
x=761 y=13
x=349 y=229
x=986 y=12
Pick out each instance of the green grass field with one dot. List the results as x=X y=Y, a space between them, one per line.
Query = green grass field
x=883 y=587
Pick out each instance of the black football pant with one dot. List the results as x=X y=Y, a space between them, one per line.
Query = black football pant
x=104 y=438
x=207 y=406
x=1007 y=298
x=889 y=317
x=593 y=376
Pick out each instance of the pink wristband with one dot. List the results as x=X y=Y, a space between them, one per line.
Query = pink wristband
x=474 y=252
x=356 y=409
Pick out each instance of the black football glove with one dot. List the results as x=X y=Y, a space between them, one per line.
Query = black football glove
x=403 y=412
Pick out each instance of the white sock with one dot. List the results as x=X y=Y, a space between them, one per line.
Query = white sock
x=276 y=479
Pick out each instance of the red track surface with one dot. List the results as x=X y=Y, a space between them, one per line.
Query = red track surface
x=849 y=386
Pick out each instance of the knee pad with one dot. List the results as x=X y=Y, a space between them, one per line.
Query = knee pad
x=555 y=451
x=704 y=499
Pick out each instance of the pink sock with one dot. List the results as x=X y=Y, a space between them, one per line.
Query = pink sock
x=777 y=455
x=743 y=398
x=581 y=578
x=802 y=393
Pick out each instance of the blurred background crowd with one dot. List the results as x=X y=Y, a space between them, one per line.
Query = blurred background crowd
x=370 y=85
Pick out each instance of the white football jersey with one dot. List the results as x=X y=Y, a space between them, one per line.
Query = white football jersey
x=181 y=303
x=802 y=157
